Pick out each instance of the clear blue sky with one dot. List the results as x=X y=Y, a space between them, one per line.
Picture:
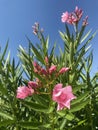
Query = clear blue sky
x=18 y=16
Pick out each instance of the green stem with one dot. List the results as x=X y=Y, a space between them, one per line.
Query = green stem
x=76 y=29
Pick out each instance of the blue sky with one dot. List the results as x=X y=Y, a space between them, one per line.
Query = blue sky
x=18 y=16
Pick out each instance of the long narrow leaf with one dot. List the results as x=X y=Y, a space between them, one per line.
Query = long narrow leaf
x=79 y=106
x=35 y=106
x=6 y=122
x=33 y=125
x=80 y=98
x=87 y=34
x=6 y=115
x=37 y=54
x=5 y=50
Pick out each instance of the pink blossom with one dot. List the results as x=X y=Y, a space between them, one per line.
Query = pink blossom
x=65 y=17
x=73 y=17
x=35 y=63
x=78 y=13
x=37 y=67
x=32 y=84
x=63 y=70
x=69 y=18
x=35 y=31
x=24 y=91
x=35 y=28
x=43 y=71
x=62 y=96
x=52 y=69
x=85 y=22
x=46 y=60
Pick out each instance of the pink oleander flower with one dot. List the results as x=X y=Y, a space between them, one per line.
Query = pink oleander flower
x=37 y=67
x=62 y=96
x=63 y=70
x=46 y=60
x=78 y=13
x=24 y=91
x=73 y=17
x=32 y=84
x=43 y=71
x=52 y=69
x=35 y=28
x=65 y=17
x=85 y=22
x=68 y=18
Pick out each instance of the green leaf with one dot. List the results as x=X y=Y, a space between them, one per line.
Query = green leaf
x=50 y=109
x=6 y=115
x=81 y=122
x=62 y=113
x=45 y=43
x=7 y=60
x=79 y=106
x=23 y=55
x=80 y=34
x=66 y=40
x=80 y=98
x=3 y=90
x=4 y=53
x=63 y=124
x=26 y=71
x=67 y=31
x=33 y=125
x=78 y=87
x=45 y=126
x=88 y=48
x=62 y=35
x=79 y=58
x=87 y=34
x=37 y=54
x=71 y=53
x=29 y=125
x=82 y=128
x=6 y=122
x=69 y=116
x=35 y=106
x=52 y=53
x=41 y=99
x=86 y=43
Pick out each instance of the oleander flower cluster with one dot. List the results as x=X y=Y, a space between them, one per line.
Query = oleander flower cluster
x=61 y=95
x=50 y=72
x=74 y=17
x=48 y=90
